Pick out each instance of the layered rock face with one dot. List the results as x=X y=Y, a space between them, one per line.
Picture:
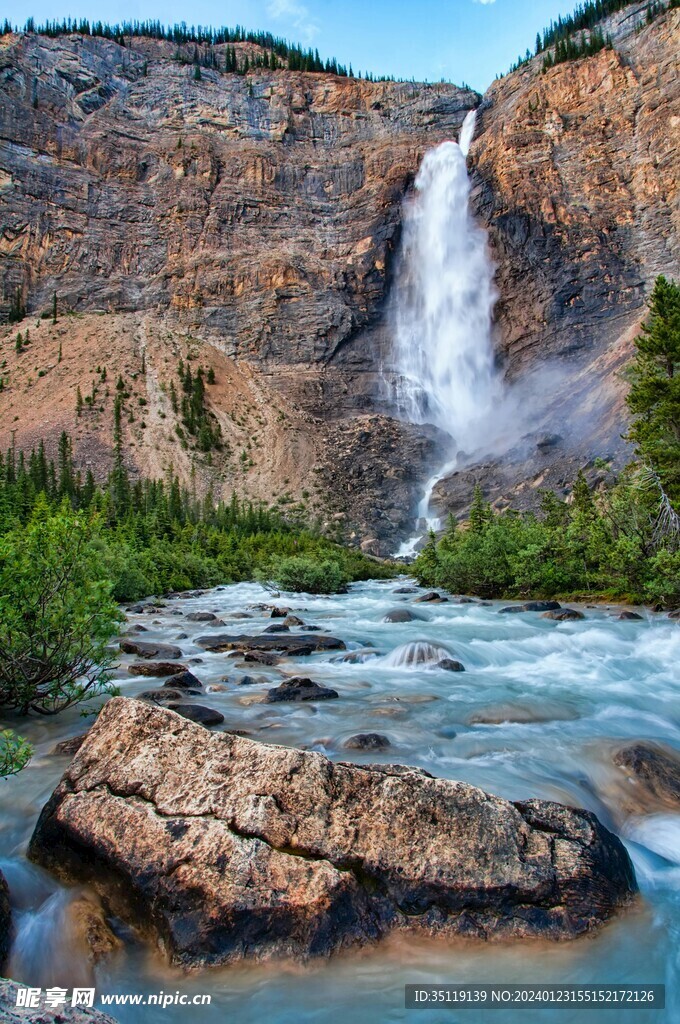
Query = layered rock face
x=227 y=849
x=266 y=207
x=576 y=176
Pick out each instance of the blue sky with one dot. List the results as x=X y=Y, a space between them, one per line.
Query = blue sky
x=462 y=40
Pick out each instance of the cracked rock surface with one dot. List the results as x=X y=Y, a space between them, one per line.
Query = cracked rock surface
x=222 y=848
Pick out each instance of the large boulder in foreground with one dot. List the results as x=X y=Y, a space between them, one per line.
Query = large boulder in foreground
x=228 y=848
x=10 y=1013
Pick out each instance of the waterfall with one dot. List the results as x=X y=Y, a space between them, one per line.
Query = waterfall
x=443 y=355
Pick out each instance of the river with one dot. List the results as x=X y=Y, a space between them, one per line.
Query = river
x=581 y=689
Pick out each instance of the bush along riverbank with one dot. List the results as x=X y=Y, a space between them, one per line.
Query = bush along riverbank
x=622 y=543
x=70 y=550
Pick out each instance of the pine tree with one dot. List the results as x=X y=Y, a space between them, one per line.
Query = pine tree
x=480 y=511
x=654 y=396
x=54 y=308
x=79 y=402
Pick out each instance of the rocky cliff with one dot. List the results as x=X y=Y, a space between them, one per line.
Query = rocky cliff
x=250 y=223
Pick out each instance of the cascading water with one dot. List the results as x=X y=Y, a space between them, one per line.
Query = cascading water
x=444 y=357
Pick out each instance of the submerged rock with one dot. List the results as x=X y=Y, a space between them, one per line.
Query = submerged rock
x=293 y=620
x=432 y=595
x=419 y=652
x=234 y=849
x=564 y=615
x=198 y=713
x=530 y=606
x=166 y=693
x=627 y=616
x=299 y=689
x=292 y=644
x=367 y=741
x=405 y=590
x=261 y=657
x=451 y=665
x=156 y=668
x=402 y=615
x=202 y=617
x=149 y=649
x=185 y=680
x=11 y=1014
x=654 y=768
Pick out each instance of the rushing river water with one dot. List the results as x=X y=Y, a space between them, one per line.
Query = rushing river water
x=576 y=691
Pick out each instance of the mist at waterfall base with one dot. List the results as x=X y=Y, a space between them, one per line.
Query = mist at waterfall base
x=538 y=712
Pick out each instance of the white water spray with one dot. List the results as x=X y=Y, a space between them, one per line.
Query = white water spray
x=443 y=352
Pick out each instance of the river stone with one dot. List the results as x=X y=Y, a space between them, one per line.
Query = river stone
x=137 y=628
x=497 y=714
x=405 y=590
x=148 y=649
x=201 y=617
x=432 y=595
x=5 y=920
x=234 y=849
x=367 y=741
x=198 y=713
x=630 y=616
x=674 y=614
x=292 y=644
x=564 y=615
x=402 y=615
x=655 y=768
x=10 y=1013
x=511 y=609
x=356 y=657
x=164 y=694
x=451 y=665
x=293 y=620
x=185 y=680
x=277 y=627
x=261 y=657
x=156 y=668
x=299 y=689
x=541 y=606
x=277 y=612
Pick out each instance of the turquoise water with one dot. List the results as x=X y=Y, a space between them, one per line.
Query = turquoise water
x=577 y=691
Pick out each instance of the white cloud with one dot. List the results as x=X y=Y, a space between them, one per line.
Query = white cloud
x=484 y=1
x=298 y=16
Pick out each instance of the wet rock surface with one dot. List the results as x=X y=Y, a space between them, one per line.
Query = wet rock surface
x=156 y=668
x=367 y=741
x=148 y=649
x=289 y=643
x=300 y=689
x=564 y=615
x=402 y=615
x=654 y=769
x=198 y=713
x=225 y=848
